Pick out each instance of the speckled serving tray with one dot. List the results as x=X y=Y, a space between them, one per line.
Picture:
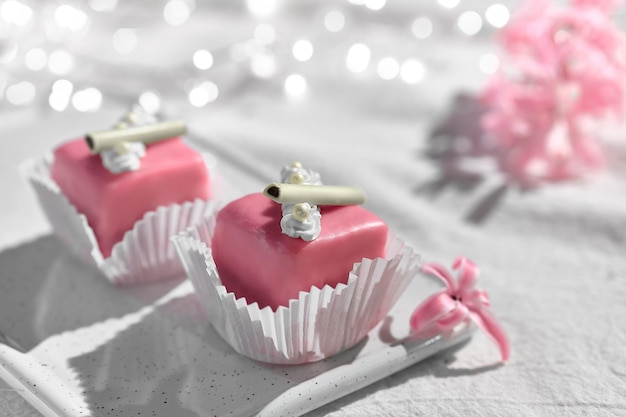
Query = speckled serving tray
x=91 y=349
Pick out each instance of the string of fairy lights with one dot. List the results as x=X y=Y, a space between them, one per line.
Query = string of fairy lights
x=39 y=62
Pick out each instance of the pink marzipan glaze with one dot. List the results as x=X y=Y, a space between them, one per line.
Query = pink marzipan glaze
x=255 y=260
x=170 y=173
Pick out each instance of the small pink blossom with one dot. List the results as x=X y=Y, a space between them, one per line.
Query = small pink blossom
x=458 y=303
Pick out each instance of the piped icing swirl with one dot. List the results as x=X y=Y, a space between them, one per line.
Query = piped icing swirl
x=126 y=156
x=301 y=220
x=307 y=229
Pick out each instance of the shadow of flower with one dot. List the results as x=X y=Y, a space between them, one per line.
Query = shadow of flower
x=466 y=157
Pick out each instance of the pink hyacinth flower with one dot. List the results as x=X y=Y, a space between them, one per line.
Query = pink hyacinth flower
x=570 y=65
x=458 y=303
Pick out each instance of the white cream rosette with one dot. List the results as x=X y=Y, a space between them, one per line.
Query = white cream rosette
x=145 y=254
x=320 y=323
x=128 y=158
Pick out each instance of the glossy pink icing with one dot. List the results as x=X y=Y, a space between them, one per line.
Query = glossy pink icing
x=255 y=260
x=171 y=172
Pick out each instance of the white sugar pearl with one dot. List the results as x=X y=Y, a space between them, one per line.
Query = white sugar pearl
x=301 y=211
x=296 y=178
x=132 y=117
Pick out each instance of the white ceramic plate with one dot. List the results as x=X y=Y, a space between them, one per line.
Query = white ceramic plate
x=96 y=350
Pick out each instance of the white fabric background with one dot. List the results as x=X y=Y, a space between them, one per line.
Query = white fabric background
x=552 y=259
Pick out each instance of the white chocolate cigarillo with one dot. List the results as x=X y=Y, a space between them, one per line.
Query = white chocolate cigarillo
x=99 y=141
x=331 y=195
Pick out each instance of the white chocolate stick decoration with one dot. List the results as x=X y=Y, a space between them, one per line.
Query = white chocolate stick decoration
x=333 y=195
x=122 y=148
x=99 y=141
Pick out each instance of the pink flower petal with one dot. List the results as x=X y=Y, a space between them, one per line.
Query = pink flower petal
x=468 y=272
x=455 y=317
x=431 y=310
x=487 y=322
x=605 y=5
x=440 y=272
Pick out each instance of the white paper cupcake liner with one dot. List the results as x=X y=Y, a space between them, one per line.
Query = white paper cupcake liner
x=319 y=324
x=145 y=254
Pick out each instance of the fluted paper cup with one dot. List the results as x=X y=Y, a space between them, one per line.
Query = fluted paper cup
x=145 y=254
x=319 y=324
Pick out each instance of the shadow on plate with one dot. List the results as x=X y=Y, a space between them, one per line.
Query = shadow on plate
x=45 y=290
x=171 y=362
x=466 y=158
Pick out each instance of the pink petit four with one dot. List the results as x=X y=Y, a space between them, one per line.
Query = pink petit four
x=297 y=273
x=256 y=260
x=170 y=172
